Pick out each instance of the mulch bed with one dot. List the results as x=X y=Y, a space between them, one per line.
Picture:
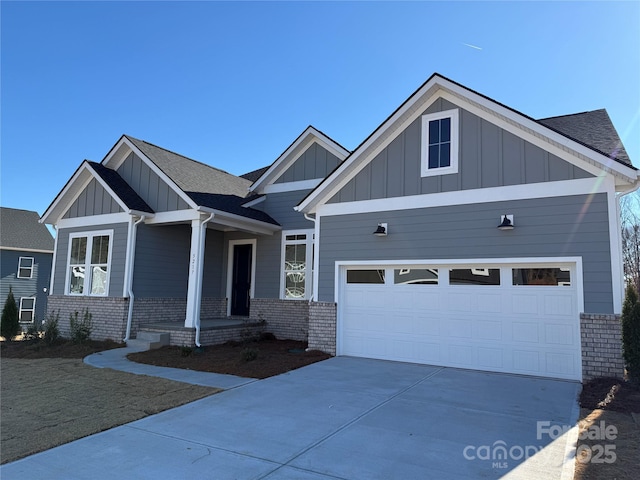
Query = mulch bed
x=611 y=394
x=34 y=349
x=258 y=359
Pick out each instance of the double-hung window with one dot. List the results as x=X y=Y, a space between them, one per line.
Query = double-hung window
x=440 y=143
x=89 y=263
x=25 y=267
x=297 y=261
x=27 y=309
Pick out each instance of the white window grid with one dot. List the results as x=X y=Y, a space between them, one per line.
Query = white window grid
x=25 y=264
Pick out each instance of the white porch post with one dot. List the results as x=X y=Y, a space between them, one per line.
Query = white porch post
x=196 y=267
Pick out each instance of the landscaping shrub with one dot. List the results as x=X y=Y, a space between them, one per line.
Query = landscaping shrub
x=10 y=321
x=32 y=333
x=51 y=330
x=631 y=333
x=80 y=329
x=249 y=354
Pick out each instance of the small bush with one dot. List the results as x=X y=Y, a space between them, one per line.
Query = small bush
x=10 y=321
x=51 y=330
x=267 y=337
x=32 y=332
x=80 y=329
x=249 y=354
x=631 y=333
x=185 y=351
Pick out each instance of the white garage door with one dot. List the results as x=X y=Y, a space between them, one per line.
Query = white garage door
x=506 y=318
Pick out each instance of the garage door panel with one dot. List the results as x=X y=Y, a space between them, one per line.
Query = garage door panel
x=526 y=329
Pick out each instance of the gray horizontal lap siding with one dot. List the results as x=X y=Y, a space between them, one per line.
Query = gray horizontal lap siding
x=94 y=200
x=162 y=261
x=25 y=287
x=280 y=207
x=488 y=157
x=151 y=188
x=315 y=162
x=548 y=227
x=118 y=257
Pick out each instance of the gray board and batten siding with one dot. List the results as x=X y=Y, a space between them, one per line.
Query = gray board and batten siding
x=118 y=257
x=26 y=287
x=570 y=226
x=151 y=188
x=94 y=200
x=488 y=157
x=315 y=162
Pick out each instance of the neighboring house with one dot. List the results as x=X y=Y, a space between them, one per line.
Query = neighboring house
x=148 y=237
x=26 y=252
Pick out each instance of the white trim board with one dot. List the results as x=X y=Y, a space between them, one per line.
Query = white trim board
x=292 y=186
x=34 y=250
x=583 y=186
x=94 y=220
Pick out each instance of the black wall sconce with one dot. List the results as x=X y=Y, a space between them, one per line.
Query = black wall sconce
x=381 y=231
x=506 y=222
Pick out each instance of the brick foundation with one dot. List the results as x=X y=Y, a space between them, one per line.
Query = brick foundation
x=322 y=326
x=601 y=337
x=108 y=314
x=285 y=318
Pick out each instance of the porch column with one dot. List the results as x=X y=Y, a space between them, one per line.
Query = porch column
x=196 y=267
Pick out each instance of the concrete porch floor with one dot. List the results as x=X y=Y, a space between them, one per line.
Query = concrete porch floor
x=211 y=324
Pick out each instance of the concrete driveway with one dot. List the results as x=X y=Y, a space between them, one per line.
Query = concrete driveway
x=345 y=418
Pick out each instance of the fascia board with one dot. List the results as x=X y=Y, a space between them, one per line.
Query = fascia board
x=293 y=152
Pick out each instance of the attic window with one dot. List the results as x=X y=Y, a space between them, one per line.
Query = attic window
x=439 y=143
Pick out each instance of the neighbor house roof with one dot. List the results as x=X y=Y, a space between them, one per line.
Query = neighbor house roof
x=593 y=129
x=20 y=230
x=121 y=188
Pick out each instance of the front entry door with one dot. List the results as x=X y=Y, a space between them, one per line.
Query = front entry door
x=241 y=279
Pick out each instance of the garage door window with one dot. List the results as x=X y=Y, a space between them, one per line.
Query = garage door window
x=542 y=276
x=474 y=276
x=365 y=276
x=415 y=276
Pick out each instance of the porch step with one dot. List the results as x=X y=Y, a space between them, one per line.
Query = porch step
x=150 y=340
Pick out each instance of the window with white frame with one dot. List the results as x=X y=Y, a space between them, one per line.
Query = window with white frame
x=27 y=309
x=297 y=261
x=439 y=149
x=25 y=267
x=89 y=263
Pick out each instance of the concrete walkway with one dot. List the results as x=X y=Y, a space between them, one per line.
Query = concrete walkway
x=117 y=360
x=346 y=418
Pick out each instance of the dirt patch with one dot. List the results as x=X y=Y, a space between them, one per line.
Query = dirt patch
x=609 y=430
x=61 y=349
x=47 y=402
x=260 y=359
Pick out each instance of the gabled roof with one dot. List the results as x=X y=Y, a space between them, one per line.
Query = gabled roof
x=121 y=188
x=21 y=230
x=293 y=152
x=230 y=204
x=255 y=174
x=593 y=129
x=190 y=175
x=438 y=86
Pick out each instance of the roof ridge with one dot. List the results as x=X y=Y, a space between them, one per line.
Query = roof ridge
x=573 y=114
x=180 y=155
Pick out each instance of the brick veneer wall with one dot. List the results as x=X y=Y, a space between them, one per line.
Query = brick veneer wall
x=285 y=318
x=322 y=326
x=108 y=314
x=187 y=336
x=601 y=337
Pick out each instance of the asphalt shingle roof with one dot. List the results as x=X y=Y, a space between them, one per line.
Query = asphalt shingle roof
x=121 y=188
x=593 y=129
x=205 y=185
x=20 y=229
x=255 y=174
x=191 y=175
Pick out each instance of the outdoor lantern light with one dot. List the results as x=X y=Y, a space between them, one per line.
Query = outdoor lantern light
x=506 y=222
x=381 y=231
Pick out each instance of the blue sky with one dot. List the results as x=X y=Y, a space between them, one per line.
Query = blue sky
x=232 y=84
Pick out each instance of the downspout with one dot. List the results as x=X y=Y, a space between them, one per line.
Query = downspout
x=132 y=242
x=201 y=242
x=315 y=254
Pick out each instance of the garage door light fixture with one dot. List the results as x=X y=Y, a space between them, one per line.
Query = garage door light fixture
x=506 y=222
x=381 y=231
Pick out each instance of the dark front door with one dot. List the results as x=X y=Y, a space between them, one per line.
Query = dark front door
x=241 y=279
